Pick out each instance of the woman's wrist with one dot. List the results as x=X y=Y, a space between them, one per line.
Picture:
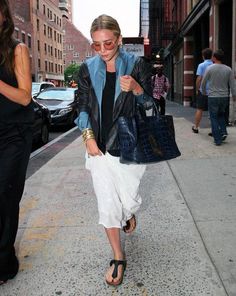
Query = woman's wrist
x=138 y=90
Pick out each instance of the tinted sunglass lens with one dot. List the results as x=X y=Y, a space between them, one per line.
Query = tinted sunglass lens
x=109 y=45
x=96 y=47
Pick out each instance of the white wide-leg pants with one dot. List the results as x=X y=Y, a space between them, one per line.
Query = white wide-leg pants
x=116 y=186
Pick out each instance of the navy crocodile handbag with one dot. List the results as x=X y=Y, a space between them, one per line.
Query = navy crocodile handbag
x=146 y=139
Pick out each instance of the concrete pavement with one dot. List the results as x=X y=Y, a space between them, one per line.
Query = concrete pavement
x=184 y=244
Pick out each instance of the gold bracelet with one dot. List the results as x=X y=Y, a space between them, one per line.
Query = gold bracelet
x=88 y=138
x=87 y=134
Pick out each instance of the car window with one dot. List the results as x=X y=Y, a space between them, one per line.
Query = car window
x=62 y=95
x=43 y=86
x=35 y=87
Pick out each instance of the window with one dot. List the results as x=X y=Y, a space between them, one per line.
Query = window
x=17 y=33
x=55 y=36
x=55 y=52
x=29 y=40
x=37 y=4
x=56 y=68
x=39 y=63
x=51 y=51
x=46 y=65
x=37 y=24
x=45 y=48
x=44 y=30
x=38 y=42
x=44 y=9
x=23 y=37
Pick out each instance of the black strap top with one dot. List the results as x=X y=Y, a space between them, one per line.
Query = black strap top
x=11 y=112
x=107 y=111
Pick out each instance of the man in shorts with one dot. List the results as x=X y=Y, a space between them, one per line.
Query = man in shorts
x=202 y=101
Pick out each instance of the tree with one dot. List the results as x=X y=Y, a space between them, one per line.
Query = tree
x=70 y=73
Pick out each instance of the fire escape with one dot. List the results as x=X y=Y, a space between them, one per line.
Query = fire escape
x=162 y=27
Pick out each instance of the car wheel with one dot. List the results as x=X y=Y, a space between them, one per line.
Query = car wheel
x=44 y=134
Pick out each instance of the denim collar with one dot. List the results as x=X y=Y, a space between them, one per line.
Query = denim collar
x=97 y=71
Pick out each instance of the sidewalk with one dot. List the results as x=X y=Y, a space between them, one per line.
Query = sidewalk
x=184 y=244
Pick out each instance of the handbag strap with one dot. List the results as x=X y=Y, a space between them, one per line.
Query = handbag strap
x=140 y=110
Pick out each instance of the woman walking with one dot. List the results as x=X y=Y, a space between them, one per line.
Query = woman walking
x=16 y=116
x=109 y=85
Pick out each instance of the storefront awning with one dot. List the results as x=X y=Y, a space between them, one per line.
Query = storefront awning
x=200 y=8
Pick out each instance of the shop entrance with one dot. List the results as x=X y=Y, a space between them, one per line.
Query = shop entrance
x=225 y=30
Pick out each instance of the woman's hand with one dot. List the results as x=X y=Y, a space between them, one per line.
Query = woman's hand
x=92 y=148
x=128 y=83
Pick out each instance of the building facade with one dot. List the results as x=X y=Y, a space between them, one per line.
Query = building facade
x=183 y=29
x=46 y=27
x=48 y=33
x=23 y=27
x=76 y=47
x=75 y=50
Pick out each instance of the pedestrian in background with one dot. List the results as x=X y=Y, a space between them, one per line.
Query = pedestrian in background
x=110 y=84
x=16 y=116
x=202 y=100
x=221 y=80
x=160 y=87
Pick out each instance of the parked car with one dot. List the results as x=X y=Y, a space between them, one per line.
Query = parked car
x=41 y=124
x=62 y=103
x=37 y=87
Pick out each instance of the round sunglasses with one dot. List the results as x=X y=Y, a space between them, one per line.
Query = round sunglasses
x=108 y=45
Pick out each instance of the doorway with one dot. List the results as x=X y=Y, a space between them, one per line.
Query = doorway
x=225 y=30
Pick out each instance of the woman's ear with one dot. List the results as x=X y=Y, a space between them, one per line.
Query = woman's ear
x=120 y=40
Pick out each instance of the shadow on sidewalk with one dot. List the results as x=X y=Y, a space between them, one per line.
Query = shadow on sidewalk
x=178 y=110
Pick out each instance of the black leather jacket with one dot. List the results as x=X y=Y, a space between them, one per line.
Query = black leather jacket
x=124 y=104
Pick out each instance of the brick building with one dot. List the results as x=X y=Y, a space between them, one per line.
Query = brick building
x=48 y=31
x=54 y=42
x=184 y=28
x=75 y=50
x=76 y=47
x=23 y=27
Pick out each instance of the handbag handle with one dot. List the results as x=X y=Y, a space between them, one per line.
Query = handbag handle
x=141 y=111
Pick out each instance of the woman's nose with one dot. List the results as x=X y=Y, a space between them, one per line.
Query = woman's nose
x=103 y=48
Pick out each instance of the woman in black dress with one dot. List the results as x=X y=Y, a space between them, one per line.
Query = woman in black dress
x=16 y=117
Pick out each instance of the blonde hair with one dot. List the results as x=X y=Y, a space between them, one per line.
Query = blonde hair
x=105 y=22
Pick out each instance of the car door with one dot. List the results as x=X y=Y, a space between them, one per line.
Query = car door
x=38 y=119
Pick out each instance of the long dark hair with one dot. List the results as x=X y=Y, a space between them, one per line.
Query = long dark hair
x=6 y=39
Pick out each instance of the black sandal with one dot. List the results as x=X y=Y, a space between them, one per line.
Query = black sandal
x=126 y=228
x=115 y=271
